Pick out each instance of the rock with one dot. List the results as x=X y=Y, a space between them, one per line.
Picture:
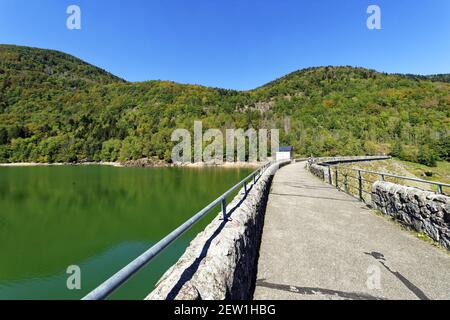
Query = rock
x=432 y=231
x=146 y=162
x=425 y=212
x=189 y=292
x=446 y=208
x=403 y=195
x=445 y=242
x=413 y=209
x=441 y=198
x=447 y=217
x=406 y=218
x=432 y=206
x=417 y=225
x=375 y=198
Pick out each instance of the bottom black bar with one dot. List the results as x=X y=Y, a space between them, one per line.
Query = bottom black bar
x=219 y=309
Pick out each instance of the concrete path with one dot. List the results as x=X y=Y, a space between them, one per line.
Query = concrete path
x=319 y=243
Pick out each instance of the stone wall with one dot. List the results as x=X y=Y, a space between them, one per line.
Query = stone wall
x=220 y=263
x=319 y=171
x=423 y=211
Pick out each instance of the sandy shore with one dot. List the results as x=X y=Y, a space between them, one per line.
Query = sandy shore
x=222 y=165
x=38 y=164
x=122 y=165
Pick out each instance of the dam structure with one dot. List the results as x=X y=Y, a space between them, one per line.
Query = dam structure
x=307 y=229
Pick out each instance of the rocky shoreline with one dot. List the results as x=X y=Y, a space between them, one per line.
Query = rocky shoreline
x=141 y=163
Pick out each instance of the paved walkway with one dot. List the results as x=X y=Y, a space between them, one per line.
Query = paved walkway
x=319 y=243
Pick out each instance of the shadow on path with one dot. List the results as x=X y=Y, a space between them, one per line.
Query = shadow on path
x=317 y=291
x=381 y=259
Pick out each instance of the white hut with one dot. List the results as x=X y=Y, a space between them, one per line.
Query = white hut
x=284 y=153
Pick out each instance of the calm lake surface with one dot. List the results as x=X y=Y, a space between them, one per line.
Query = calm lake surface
x=99 y=218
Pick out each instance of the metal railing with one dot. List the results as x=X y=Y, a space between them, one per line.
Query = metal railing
x=114 y=282
x=340 y=179
x=382 y=175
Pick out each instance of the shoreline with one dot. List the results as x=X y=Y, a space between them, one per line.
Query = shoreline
x=59 y=164
x=137 y=164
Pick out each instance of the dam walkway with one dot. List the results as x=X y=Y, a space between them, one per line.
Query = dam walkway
x=320 y=243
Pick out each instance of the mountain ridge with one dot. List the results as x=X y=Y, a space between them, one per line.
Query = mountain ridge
x=52 y=63
x=444 y=77
x=76 y=112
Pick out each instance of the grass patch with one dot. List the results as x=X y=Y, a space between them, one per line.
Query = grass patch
x=440 y=173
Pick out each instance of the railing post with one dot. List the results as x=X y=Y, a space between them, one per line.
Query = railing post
x=330 y=178
x=224 y=208
x=336 y=177
x=439 y=190
x=346 y=182
x=245 y=187
x=360 y=185
x=382 y=177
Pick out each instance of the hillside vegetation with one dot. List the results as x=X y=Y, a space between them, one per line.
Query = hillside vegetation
x=57 y=108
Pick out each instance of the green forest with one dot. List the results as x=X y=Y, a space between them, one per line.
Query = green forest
x=57 y=108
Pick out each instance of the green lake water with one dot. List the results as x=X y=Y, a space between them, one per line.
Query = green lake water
x=99 y=218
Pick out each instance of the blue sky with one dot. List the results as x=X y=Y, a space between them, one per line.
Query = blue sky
x=239 y=44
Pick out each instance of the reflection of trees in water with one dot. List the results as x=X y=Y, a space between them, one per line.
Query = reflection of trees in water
x=53 y=217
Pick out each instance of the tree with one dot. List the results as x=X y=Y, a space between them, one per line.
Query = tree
x=427 y=156
x=443 y=147
x=111 y=150
x=3 y=136
x=397 y=150
x=131 y=149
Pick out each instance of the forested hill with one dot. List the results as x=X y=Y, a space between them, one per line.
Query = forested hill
x=33 y=66
x=434 y=77
x=57 y=108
